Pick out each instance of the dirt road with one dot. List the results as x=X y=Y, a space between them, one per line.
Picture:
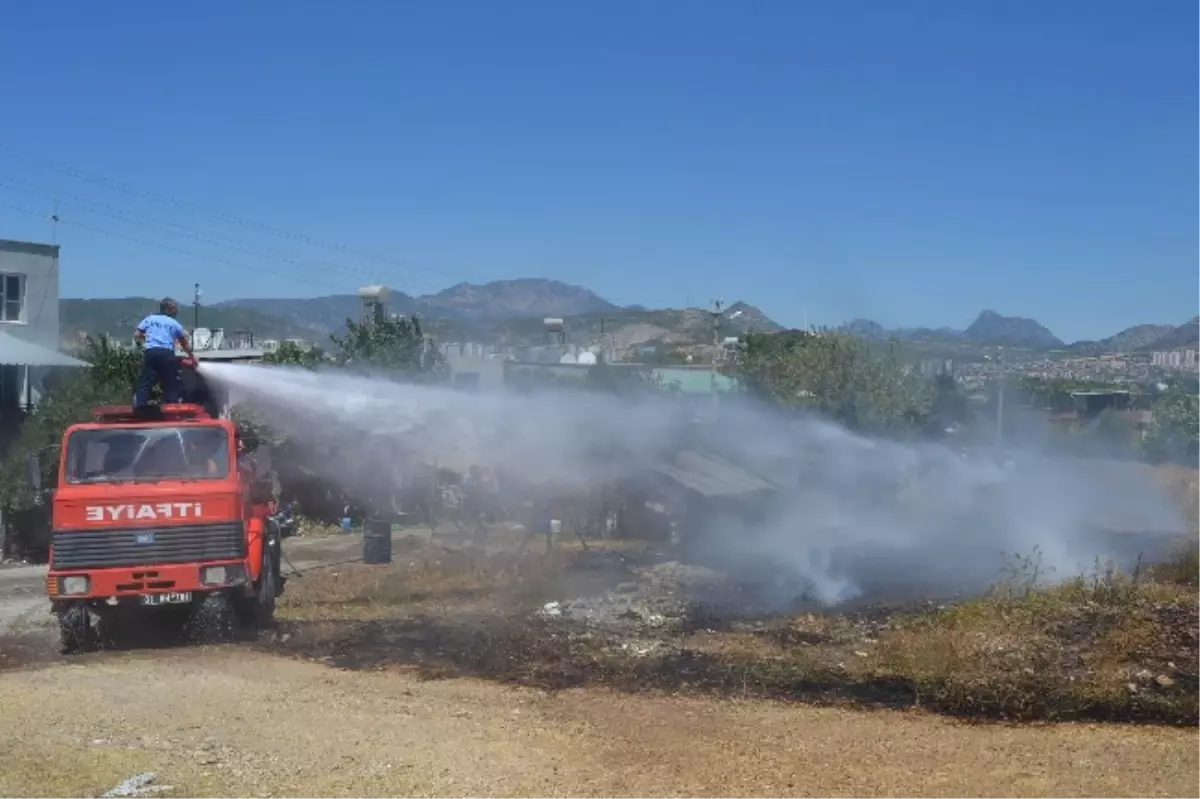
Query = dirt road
x=230 y=722
x=235 y=720
x=22 y=598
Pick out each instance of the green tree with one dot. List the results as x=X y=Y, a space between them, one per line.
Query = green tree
x=837 y=375
x=292 y=354
x=113 y=368
x=1041 y=392
x=949 y=406
x=1175 y=428
x=395 y=345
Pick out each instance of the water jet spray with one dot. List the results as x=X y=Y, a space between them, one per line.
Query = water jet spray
x=848 y=514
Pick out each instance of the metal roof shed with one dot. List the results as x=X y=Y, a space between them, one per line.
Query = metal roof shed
x=15 y=351
x=711 y=475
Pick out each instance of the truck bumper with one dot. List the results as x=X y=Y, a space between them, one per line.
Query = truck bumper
x=133 y=581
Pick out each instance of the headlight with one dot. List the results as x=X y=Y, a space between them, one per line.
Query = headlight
x=74 y=586
x=222 y=575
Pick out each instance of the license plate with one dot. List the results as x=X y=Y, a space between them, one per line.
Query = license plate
x=173 y=598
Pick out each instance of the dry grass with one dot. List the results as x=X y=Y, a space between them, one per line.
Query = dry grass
x=421 y=577
x=313 y=528
x=1182 y=485
x=1106 y=647
x=77 y=771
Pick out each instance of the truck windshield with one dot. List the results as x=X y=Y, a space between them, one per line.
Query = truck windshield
x=147 y=454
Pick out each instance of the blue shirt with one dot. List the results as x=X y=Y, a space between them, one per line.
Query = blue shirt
x=161 y=331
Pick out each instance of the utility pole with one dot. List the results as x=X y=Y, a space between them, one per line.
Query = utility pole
x=716 y=337
x=195 y=308
x=1000 y=403
x=54 y=225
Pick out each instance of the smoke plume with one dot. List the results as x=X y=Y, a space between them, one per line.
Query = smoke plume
x=851 y=515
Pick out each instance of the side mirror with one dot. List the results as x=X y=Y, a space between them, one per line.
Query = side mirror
x=34 y=471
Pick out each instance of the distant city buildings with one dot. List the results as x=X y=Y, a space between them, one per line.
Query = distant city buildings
x=1175 y=359
x=935 y=367
x=1126 y=368
x=214 y=344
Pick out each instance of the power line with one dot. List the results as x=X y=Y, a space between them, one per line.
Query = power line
x=191 y=254
x=137 y=191
x=176 y=229
x=172 y=228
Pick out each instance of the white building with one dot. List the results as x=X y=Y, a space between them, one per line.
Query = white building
x=28 y=321
x=1175 y=359
x=29 y=291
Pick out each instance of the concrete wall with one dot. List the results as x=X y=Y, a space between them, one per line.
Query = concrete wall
x=473 y=372
x=37 y=264
x=36 y=320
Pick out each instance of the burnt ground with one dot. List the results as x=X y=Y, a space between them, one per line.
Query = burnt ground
x=1105 y=648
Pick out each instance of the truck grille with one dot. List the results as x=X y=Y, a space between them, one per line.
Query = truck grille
x=147 y=546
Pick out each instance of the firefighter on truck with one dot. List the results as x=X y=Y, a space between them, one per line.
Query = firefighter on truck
x=158 y=334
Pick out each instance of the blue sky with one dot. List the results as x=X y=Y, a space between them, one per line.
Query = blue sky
x=909 y=162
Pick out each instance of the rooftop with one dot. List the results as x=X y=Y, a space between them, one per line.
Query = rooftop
x=28 y=248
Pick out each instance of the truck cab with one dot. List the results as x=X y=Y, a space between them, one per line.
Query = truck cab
x=155 y=513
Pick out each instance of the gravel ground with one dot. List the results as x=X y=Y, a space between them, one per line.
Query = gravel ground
x=225 y=721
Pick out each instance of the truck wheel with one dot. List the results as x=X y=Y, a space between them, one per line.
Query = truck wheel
x=75 y=630
x=268 y=588
x=211 y=620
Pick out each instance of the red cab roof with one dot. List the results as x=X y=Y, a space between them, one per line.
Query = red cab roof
x=127 y=414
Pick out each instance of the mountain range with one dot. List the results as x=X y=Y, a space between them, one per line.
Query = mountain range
x=511 y=312
x=988 y=328
x=991 y=328
x=503 y=299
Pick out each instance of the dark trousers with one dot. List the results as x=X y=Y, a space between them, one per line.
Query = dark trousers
x=161 y=366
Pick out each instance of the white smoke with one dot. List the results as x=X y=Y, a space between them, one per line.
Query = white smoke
x=851 y=514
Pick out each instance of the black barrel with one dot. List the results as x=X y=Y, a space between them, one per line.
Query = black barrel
x=377 y=542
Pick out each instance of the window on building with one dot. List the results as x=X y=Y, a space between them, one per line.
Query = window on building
x=12 y=297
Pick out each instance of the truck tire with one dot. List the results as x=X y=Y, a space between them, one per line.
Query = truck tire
x=211 y=620
x=268 y=589
x=75 y=630
x=258 y=609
